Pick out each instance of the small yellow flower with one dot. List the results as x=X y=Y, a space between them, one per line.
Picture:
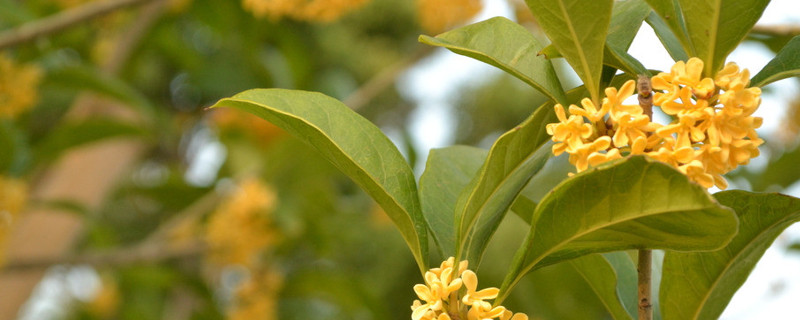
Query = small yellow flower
x=589 y=110
x=441 y=297
x=571 y=131
x=240 y=228
x=308 y=10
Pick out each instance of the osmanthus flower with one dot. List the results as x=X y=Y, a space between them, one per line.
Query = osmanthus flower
x=18 y=87
x=712 y=132
x=451 y=292
x=307 y=10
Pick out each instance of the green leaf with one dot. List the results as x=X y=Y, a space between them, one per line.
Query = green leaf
x=447 y=172
x=524 y=208
x=626 y=19
x=716 y=27
x=15 y=155
x=352 y=144
x=602 y=277
x=633 y=203
x=785 y=64
x=73 y=134
x=781 y=171
x=577 y=29
x=667 y=37
x=507 y=45
x=625 y=62
x=513 y=159
x=698 y=285
x=670 y=18
x=93 y=79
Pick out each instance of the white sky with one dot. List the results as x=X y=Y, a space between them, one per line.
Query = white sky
x=773 y=289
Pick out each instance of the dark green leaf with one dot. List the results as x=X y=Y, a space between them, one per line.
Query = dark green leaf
x=602 y=277
x=447 y=172
x=507 y=45
x=785 y=64
x=352 y=144
x=578 y=31
x=634 y=203
x=524 y=208
x=670 y=18
x=698 y=285
x=626 y=18
x=15 y=155
x=667 y=37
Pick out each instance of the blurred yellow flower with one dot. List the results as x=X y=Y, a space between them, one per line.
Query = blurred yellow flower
x=451 y=292
x=232 y=119
x=437 y=16
x=241 y=228
x=712 y=133
x=13 y=197
x=306 y=10
x=106 y=300
x=18 y=87
x=257 y=298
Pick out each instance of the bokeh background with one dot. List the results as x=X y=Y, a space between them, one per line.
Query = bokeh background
x=122 y=197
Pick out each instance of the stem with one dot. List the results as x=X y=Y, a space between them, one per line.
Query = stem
x=645 y=95
x=644 y=269
x=61 y=21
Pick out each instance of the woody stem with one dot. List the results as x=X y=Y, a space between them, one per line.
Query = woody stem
x=644 y=271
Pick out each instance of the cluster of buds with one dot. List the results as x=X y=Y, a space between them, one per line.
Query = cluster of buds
x=442 y=297
x=712 y=132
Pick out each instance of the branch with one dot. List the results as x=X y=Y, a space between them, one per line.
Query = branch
x=122 y=257
x=61 y=21
x=644 y=269
x=383 y=79
x=777 y=30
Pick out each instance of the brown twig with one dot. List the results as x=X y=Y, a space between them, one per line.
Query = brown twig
x=62 y=20
x=777 y=30
x=645 y=95
x=121 y=257
x=645 y=291
x=383 y=79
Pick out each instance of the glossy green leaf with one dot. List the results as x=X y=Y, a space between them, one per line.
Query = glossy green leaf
x=447 y=172
x=785 y=64
x=671 y=18
x=781 y=171
x=577 y=29
x=602 y=277
x=698 y=285
x=513 y=159
x=626 y=19
x=634 y=203
x=73 y=134
x=625 y=62
x=507 y=45
x=524 y=208
x=716 y=27
x=352 y=144
x=667 y=37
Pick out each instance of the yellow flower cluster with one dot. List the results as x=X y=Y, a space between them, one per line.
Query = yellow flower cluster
x=442 y=297
x=18 y=86
x=307 y=10
x=13 y=197
x=257 y=298
x=712 y=132
x=240 y=228
x=437 y=16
